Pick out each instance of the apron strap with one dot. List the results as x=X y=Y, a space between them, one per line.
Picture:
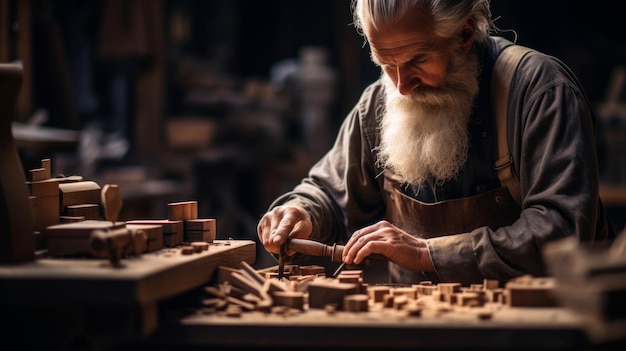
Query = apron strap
x=502 y=77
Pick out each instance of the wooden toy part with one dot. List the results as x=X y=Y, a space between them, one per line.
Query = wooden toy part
x=111 y=201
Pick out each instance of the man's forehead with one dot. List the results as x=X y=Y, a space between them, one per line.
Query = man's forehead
x=412 y=31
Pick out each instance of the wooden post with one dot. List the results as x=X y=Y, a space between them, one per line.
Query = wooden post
x=17 y=224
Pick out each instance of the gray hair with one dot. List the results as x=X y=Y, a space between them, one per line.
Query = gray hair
x=448 y=15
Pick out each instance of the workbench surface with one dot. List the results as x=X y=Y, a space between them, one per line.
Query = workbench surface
x=549 y=328
x=151 y=277
x=55 y=303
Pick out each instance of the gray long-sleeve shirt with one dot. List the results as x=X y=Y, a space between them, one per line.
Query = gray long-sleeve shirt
x=552 y=143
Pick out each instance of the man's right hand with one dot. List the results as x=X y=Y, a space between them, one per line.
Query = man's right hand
x=283 y=222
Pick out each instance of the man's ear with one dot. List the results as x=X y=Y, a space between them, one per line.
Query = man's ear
x=468 y=33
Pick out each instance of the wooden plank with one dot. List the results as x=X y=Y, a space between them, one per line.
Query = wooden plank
x=149 y=278
x=17 y=224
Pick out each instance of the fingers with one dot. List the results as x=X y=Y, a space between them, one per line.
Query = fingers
x=366 y=241
x=282 y=222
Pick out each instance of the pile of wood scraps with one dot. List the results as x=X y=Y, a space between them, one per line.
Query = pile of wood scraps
x=307 y=288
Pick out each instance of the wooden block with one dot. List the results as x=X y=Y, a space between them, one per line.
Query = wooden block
x=45 y=211
x=312 y=270
x=324 y=292
x=88 y=211
x=75 y=193
x=356 y=303
x=425 y=289
x=494 y=295
x=38 y=174
x=528 y=291
x=44 y=188
x=154 y=233
x=170 y=240
x=74 y=238
x=47 y=165
x=291 y=299
x=42 y=173
x=206 y=236
x=350 y=278
x=472 y=299
x=409 y=292
x=200 y=224
x=400 y=301
x=71 y=219
x=377 y=293
x=200 y=229
x=491 y=284
x=173 y=231
x=449 y=288
x=356 y=272
x=182 y=211
x=200 y=246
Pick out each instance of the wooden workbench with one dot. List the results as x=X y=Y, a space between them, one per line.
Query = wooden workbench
x=55 y=303
x=528 y=328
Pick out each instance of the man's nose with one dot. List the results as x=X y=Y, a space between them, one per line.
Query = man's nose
x=406 y=81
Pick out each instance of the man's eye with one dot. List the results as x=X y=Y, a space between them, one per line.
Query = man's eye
x=418 y=60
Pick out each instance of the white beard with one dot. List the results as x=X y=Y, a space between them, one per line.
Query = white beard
x=425 y=133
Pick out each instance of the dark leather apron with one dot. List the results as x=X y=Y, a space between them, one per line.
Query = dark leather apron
x=495 y=208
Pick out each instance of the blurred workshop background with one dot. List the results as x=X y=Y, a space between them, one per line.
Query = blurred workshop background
x=229 y=102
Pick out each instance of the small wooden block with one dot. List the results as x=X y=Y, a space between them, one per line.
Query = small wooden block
x=154 y=233
x=44 y=188
x=45 y=210
x=192 y=235
x=471 y=299
x=425 y=289
x=187 y=250
x=449 y=288
x=409 y=292
x=356 y=303
x=312 y=270
x=38 y=174
x=173 y=231
x=74 y=238
x=527 y=292
x=200 y=246
x=291 y=299
x=349 y=278
x=75 y=193
x=200 y=229
x=87 y=211
x=47 y=165
x=357 y=272
x=322 y=293
x=182 y=211
x=71 y=219
x=491 y=284
x=377 y=293
x=111 y=202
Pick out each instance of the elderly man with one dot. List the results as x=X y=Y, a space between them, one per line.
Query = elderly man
x=413 y=174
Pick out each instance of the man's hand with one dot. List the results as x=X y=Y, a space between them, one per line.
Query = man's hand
x=385 y=239
x=283 y=222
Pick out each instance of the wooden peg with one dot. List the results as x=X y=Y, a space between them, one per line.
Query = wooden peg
x=111 y=201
